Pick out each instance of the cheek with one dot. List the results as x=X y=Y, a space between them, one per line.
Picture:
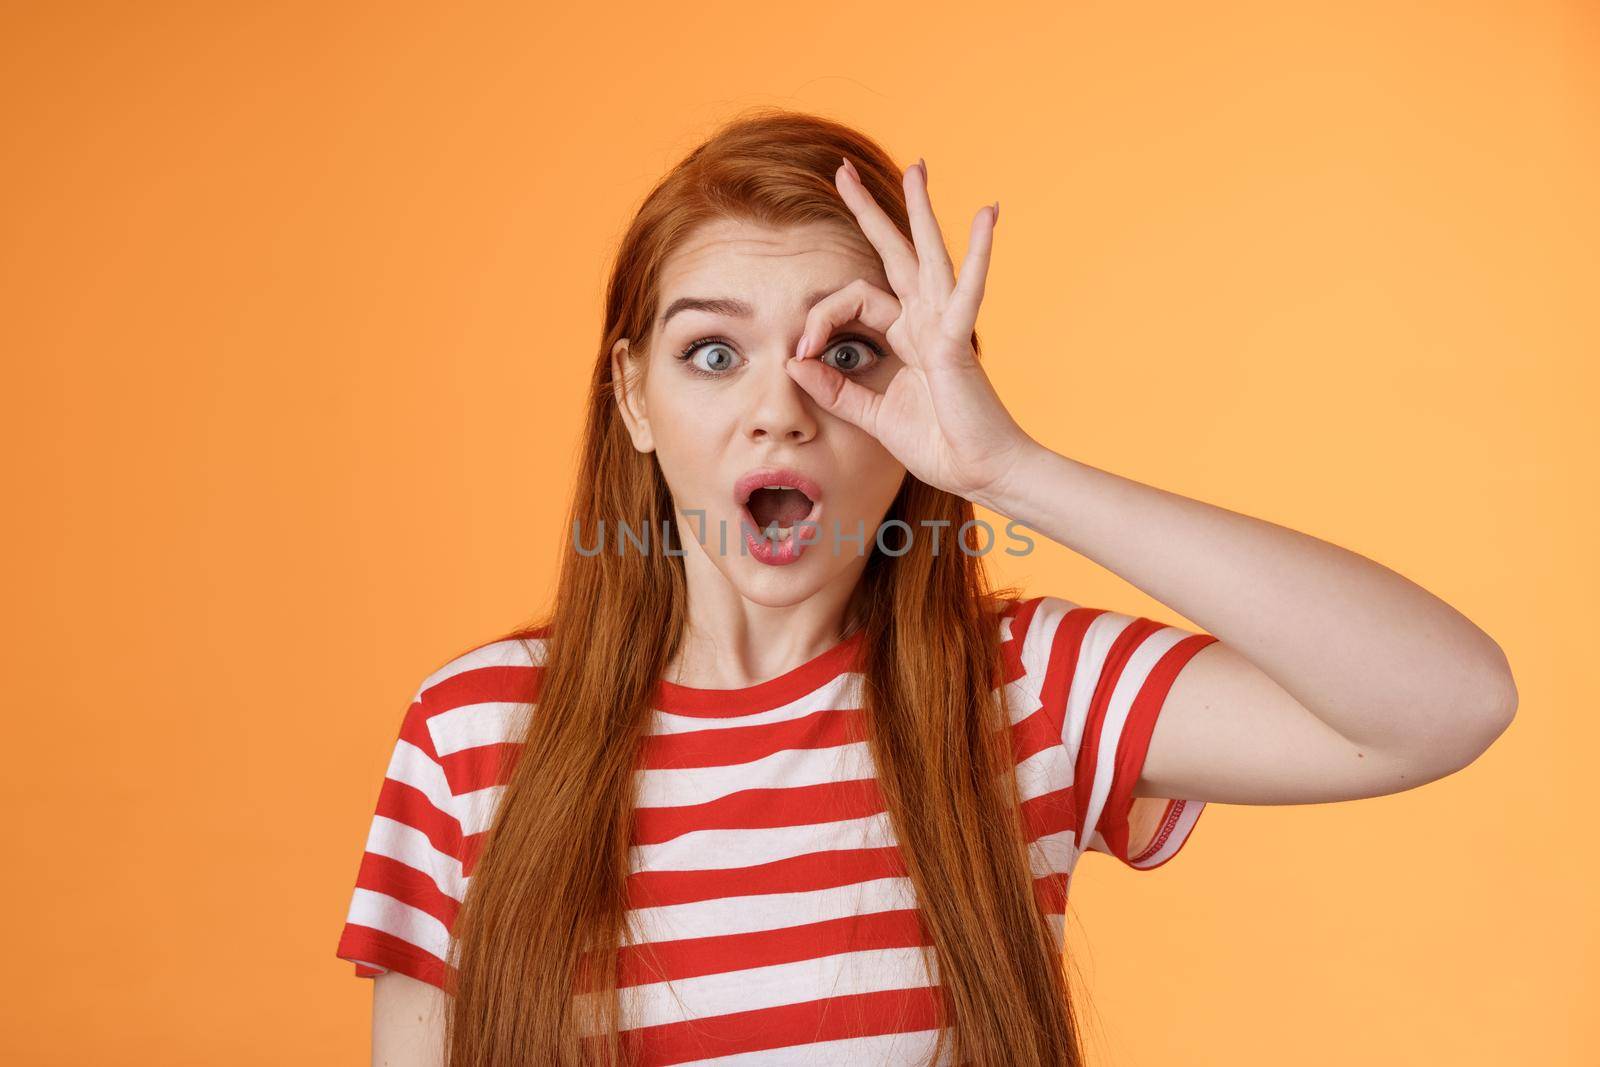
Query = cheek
x=671 y=407
x=689 y=435
x=875 y=473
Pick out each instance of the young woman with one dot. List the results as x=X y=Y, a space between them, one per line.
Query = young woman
x=780 y=779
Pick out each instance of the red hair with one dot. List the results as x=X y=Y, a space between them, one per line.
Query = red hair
x=545 y=911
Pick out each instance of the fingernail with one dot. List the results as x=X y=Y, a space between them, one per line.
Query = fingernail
x=800 y=348
x=923 y=164
x=851 y=167
x=997 y=211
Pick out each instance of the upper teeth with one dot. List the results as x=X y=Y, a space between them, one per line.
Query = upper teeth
x=775 y=487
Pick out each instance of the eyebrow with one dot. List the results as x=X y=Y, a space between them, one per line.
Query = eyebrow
x=726 y=305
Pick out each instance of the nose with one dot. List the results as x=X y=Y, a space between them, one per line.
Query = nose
x=778 y=409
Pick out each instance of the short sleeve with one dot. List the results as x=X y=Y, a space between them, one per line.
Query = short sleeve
x=1101 y=679
x=445 y=773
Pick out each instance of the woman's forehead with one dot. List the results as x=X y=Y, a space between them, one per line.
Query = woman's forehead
x=751 y=255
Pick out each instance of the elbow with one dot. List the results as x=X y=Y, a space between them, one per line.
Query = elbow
x=1505 y=708
x=1463 y=719
x=1502 y=694
x=1495 y=706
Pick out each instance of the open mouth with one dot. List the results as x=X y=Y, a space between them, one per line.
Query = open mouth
x=777 y=501
x=777 y=508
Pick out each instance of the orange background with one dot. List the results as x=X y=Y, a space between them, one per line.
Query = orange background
x=299 y=301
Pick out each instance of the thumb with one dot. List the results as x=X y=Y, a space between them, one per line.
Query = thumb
x=836 y=393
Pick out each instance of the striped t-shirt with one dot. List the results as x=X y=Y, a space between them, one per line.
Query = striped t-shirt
x=765 y=875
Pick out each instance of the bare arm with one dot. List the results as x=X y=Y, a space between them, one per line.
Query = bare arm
x=1333 y=676
x=407 y=1022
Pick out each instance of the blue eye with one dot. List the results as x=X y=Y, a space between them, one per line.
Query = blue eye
x=718 y=361
x=714 y=357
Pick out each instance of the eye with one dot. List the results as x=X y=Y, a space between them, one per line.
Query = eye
x=709 y=357
x=852 y=354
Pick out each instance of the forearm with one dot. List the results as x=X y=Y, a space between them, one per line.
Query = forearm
x=1378 y=658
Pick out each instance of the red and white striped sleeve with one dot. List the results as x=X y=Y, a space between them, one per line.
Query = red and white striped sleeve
x=445 y=773
x=1103 y=678
x=410 y=882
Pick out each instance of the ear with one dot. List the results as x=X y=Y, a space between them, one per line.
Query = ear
x=627 y=386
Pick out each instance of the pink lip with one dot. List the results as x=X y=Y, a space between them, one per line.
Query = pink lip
x=775 y=476
x=782 y=552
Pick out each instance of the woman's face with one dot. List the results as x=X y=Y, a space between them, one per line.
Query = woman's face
x=717 y=406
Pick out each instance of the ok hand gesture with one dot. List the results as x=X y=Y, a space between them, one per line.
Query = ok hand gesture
x=939 y=416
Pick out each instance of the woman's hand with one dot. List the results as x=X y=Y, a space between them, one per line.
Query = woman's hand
x=939 y=416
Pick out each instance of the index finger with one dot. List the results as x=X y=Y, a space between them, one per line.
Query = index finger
x=860 y=301
x=898 y=255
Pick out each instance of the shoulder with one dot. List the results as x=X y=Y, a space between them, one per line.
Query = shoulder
x=1061 y=647
x=469 y=708
x=1053 y=643
x=1032 y=623
x=485 y=667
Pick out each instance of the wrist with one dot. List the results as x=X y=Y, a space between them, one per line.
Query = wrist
x=1007 y=494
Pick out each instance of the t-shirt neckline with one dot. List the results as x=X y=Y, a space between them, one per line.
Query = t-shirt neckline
x=785 y=688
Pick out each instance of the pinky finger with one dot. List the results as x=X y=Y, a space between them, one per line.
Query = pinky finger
x=968 y=293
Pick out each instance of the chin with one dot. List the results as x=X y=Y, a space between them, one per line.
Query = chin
x=776 y=587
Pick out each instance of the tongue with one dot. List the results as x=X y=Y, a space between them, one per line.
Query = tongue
x=783 y=506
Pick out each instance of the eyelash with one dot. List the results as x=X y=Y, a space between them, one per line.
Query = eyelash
x=687 y=355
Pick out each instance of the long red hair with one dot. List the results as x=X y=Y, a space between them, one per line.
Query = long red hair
x=545 y=913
